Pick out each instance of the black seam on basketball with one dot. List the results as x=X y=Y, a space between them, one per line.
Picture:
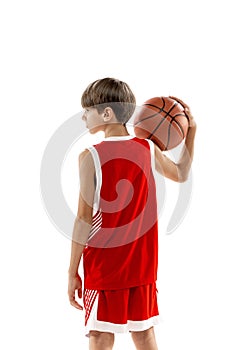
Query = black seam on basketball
x=180 y=126
x=164 y=118
x=163 y=102
x=155 y=129
x=161 y=109
x=178 y=115
x=150 y=104
x=169 y=135
x=150 y=116
x=153 y=115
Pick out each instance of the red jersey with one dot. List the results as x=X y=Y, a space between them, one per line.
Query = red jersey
x=122 y=249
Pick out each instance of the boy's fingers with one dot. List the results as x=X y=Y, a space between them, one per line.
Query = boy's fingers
x=76 y=305
x=80 y=293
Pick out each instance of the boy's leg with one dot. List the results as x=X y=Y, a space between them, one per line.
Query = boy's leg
x=145 y=339
x=101 y=340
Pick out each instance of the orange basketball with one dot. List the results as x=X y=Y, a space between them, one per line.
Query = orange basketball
x=162 y=120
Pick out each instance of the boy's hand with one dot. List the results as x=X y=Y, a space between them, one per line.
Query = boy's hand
x=187 y=111
x=75 y=283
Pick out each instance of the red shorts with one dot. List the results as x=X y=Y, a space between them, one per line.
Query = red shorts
x=119 y=311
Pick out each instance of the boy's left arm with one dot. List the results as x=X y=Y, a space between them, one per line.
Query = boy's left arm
x=82 y=225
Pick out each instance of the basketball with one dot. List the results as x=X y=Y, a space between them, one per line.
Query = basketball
x=163 y=120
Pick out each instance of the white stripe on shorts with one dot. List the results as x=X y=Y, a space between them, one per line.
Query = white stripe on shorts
x=92 y=324
x=89 y=299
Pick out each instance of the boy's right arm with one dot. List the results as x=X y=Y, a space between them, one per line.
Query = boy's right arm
x=178 y=171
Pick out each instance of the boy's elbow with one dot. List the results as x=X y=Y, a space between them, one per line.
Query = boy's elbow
x=182 y=178
x=182 y=175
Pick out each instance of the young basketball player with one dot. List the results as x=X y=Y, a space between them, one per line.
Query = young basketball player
x=116 y=229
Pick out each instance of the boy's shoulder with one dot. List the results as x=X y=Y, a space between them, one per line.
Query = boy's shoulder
x=85 y=159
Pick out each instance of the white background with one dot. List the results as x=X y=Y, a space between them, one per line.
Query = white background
x=50 y=52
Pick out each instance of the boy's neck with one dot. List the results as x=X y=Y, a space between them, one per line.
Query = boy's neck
x=115 y=130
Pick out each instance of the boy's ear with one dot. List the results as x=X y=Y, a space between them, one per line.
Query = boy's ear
x=107 y=114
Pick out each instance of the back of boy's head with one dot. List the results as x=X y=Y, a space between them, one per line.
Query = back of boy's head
x=110 y=92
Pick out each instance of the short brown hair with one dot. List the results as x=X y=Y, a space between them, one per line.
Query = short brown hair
x=110 y=92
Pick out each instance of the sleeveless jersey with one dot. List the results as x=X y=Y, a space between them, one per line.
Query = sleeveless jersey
x=122 y=249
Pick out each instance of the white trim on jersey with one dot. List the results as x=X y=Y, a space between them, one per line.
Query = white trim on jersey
x=119 y=138
x=131 y=326
x=152 y=152
x=98 y=174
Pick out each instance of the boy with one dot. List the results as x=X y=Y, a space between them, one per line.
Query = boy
x=116 y=226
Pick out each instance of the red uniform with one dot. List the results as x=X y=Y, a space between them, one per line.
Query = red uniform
x=121 y=257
